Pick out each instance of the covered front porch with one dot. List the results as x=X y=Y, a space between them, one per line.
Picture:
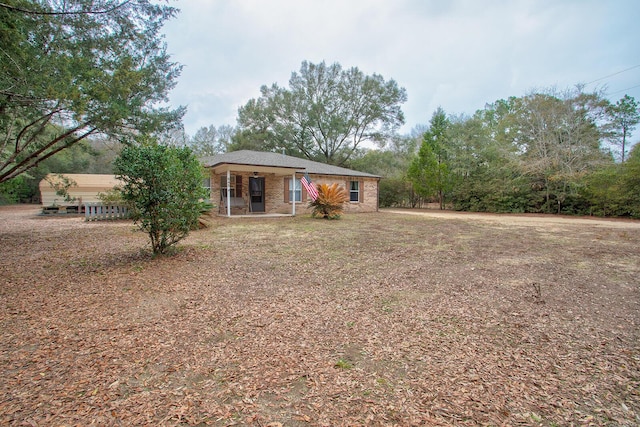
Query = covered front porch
x=240 y=190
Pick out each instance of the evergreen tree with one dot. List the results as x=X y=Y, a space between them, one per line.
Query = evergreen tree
x=430 y=170
x=624 y=118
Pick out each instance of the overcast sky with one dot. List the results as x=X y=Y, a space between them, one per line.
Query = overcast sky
x=456 y=54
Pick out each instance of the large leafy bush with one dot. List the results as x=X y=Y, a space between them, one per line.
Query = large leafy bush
x=164 y=186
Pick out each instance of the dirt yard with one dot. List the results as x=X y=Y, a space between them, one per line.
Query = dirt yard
x=387 y=319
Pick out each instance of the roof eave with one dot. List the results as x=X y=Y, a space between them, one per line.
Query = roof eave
x=244 y=167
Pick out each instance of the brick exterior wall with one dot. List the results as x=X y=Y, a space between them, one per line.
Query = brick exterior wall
x=275 y=192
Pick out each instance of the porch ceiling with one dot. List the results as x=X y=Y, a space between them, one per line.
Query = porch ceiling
x=223 y=168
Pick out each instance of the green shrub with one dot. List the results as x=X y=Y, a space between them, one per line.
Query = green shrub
x=164 y=186
x=14 y=190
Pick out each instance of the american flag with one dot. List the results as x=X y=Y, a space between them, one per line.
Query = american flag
x=308 y=185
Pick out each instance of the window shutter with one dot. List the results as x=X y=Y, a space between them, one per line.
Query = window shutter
x=361 y=191
x=304 y=192
x=286 y=189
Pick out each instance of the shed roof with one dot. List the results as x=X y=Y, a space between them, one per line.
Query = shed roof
x=269 y=159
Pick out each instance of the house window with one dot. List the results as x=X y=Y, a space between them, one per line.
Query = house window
x=295 y=189
x=206 y=183
x=231 y=190
x=354 y=191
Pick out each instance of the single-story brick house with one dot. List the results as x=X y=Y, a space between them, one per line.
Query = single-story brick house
x=255 y=182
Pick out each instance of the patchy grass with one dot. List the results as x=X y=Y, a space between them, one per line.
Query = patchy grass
x=376 y=319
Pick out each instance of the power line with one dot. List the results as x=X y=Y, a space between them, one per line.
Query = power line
x=614 y=74
x=624 y=90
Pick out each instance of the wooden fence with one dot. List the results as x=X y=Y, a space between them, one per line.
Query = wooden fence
x=99 y=211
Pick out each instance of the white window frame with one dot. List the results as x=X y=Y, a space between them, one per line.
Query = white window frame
x=355 y=191
x=297 y=192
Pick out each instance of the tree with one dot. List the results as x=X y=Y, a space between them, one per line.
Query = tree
x=624 y=118
x=164 y=186
x=175 y=137
x=15 y=190
x=430 y=171
x=73 y=69
x=209 y=141
x=484 y=161
x=630 y=183
x=615 y=188
x=203 y=142
x=392 y=160
x=390 y=163
x=604 y=191
x=105 y=151
x=325 y=115
x=558 y=136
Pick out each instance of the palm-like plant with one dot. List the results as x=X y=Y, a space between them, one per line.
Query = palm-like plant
x=330 y=201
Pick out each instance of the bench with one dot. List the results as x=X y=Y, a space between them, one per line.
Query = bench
x=235 y=203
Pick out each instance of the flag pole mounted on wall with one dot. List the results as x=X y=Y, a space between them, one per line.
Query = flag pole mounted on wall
x=312 y=191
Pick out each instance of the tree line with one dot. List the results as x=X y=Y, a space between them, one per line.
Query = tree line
x=550 y=152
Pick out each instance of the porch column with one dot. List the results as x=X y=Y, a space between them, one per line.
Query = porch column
x=227 y=192
x=293 y=205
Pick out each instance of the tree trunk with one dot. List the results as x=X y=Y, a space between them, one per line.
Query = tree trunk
x=624 y=141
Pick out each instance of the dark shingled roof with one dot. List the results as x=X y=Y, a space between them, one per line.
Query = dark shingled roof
x=264 y=158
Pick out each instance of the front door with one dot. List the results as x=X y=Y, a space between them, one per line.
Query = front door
x=256 y=193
